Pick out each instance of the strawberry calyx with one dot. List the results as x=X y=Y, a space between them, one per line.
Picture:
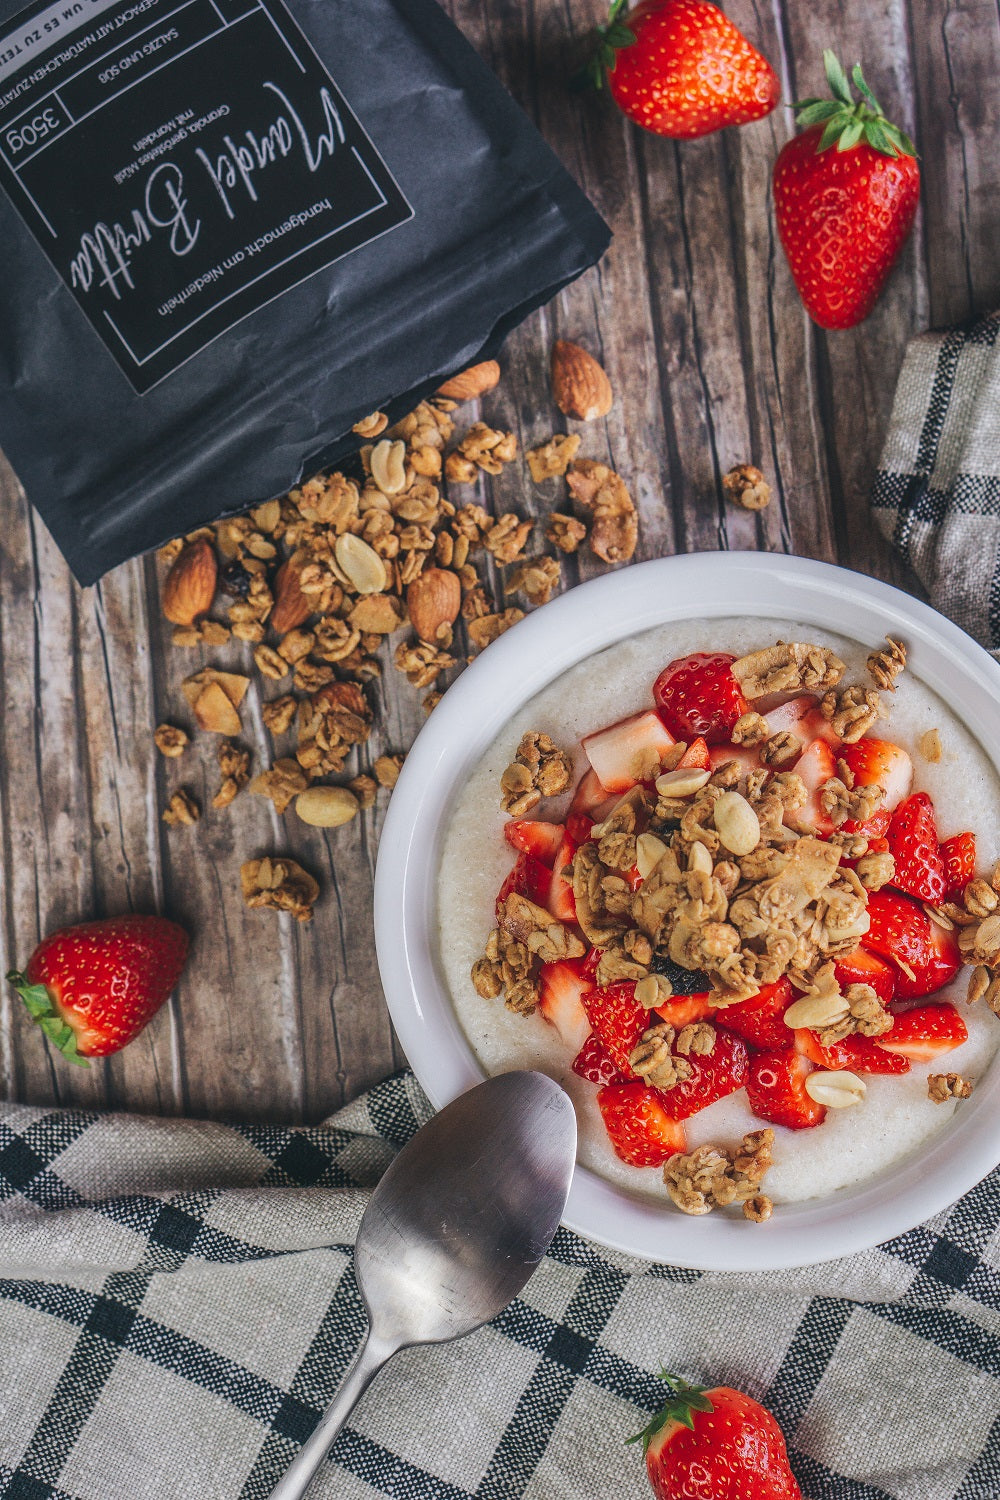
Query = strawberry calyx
x=847 y=121
x=612 y=36
x=680 y=1406
x=42 y=1010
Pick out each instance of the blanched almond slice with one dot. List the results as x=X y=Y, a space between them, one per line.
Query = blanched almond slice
x=736 y=823
x=835 y=1090
x=649 y=850
x=683 y=782
x=816 y=1011
x=362 y=565
x=233 y=684
x=700 y=860
x=326 y=806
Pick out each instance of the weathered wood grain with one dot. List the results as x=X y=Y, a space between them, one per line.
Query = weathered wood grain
x=713 y=361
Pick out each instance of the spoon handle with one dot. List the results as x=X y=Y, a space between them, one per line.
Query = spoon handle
x=370 y=1358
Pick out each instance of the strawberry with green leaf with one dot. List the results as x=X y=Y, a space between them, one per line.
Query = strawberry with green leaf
x=845 y=193
x=681 y=68
x=93 y=987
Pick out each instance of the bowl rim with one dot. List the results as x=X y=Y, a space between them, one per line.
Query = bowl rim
x=580 y=622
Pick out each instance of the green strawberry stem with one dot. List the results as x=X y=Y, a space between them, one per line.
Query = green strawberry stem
x=681 y=1404
x=41 y=1009
x=610 y=37
x=847 y=120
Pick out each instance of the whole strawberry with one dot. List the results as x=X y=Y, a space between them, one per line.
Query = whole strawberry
x=717 y=1443
x=845 y=193
x=680 y=68
x=93 y=987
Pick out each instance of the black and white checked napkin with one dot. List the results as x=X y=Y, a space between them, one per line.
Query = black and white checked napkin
x=937 y=493
x=177 y=1306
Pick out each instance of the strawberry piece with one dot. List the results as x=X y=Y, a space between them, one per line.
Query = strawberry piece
x=958 y=855
x=543 y=840
x=776 y=1090
x=695 y=757
x=641 y=1131
x=590 y=961
x=578 y=826
x=924 y=955
x=595 y=1063
x=802 y=717
x=815 y=766
x=913 y=844
x=591 y=797
x=699 y=697
x=858 y=1054
x=630 y=751
x=873 y=828
x=561 y=902
x=684 y=1010
x=618 y=1019
x=530 y=878
x=562 y=986
x=713 y=1075
x=862 y=967
x=880 y=763
x=845 y=193
x=761 y=1019
x=721 y=754
x=925 y=1032
x=93 y=987
x=715 y=1444
x=680 y=68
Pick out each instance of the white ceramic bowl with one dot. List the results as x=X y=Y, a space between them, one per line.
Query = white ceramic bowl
x=464 y=724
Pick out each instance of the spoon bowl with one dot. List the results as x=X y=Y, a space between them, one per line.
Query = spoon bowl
x=453 y=1230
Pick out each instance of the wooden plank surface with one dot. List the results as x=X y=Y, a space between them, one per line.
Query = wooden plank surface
x=712 y=361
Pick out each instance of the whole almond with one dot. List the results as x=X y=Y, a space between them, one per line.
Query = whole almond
x=579 y=384
x=433 y=600
x=326 y=806
x=291 y=605
x=189 y=587
x=473 y=382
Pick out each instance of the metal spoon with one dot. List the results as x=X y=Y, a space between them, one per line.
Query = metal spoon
x=453 y=1231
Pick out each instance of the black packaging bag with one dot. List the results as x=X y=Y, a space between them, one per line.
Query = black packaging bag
x=232 y=228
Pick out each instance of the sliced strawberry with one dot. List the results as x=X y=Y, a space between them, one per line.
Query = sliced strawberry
x=913 y=844
x=959 y=857
x=578 y=826
x=595 y=1063
x=590 y=796
x=629 y=751
x=925 y=956
x=695 y=756
x=560 y=901
x=537 y=838
x=684 y=1010
x=590 y=961
x=713 y=1075
x=699 y=696
x=802 y=717
x=641 y=1131
x=875 y=827
x=815 y=766
x=858 y=1054
x=761 y=1019
x=562 y=986
x=721 y=754
x=530 y=878
x=618 y=1019
x=925 y=1032
x=880 y=763
x=862 y=967
x=776 y=1090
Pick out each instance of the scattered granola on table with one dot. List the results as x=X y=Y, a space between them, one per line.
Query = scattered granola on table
x=281 y=885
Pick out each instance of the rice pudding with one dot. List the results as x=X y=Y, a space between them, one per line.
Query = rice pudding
x=852 y=1144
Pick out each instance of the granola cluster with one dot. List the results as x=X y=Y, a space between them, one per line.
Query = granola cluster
x=316 y=582
x=539 y=769
x=713 y=1177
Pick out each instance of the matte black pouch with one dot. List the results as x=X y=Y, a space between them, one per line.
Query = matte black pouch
x=231 y=229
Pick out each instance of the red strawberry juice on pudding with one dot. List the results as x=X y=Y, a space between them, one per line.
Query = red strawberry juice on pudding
x=851 y=1144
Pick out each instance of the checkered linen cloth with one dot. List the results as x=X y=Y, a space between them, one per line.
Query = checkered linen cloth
x=937 y=493
x=177 y=1306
